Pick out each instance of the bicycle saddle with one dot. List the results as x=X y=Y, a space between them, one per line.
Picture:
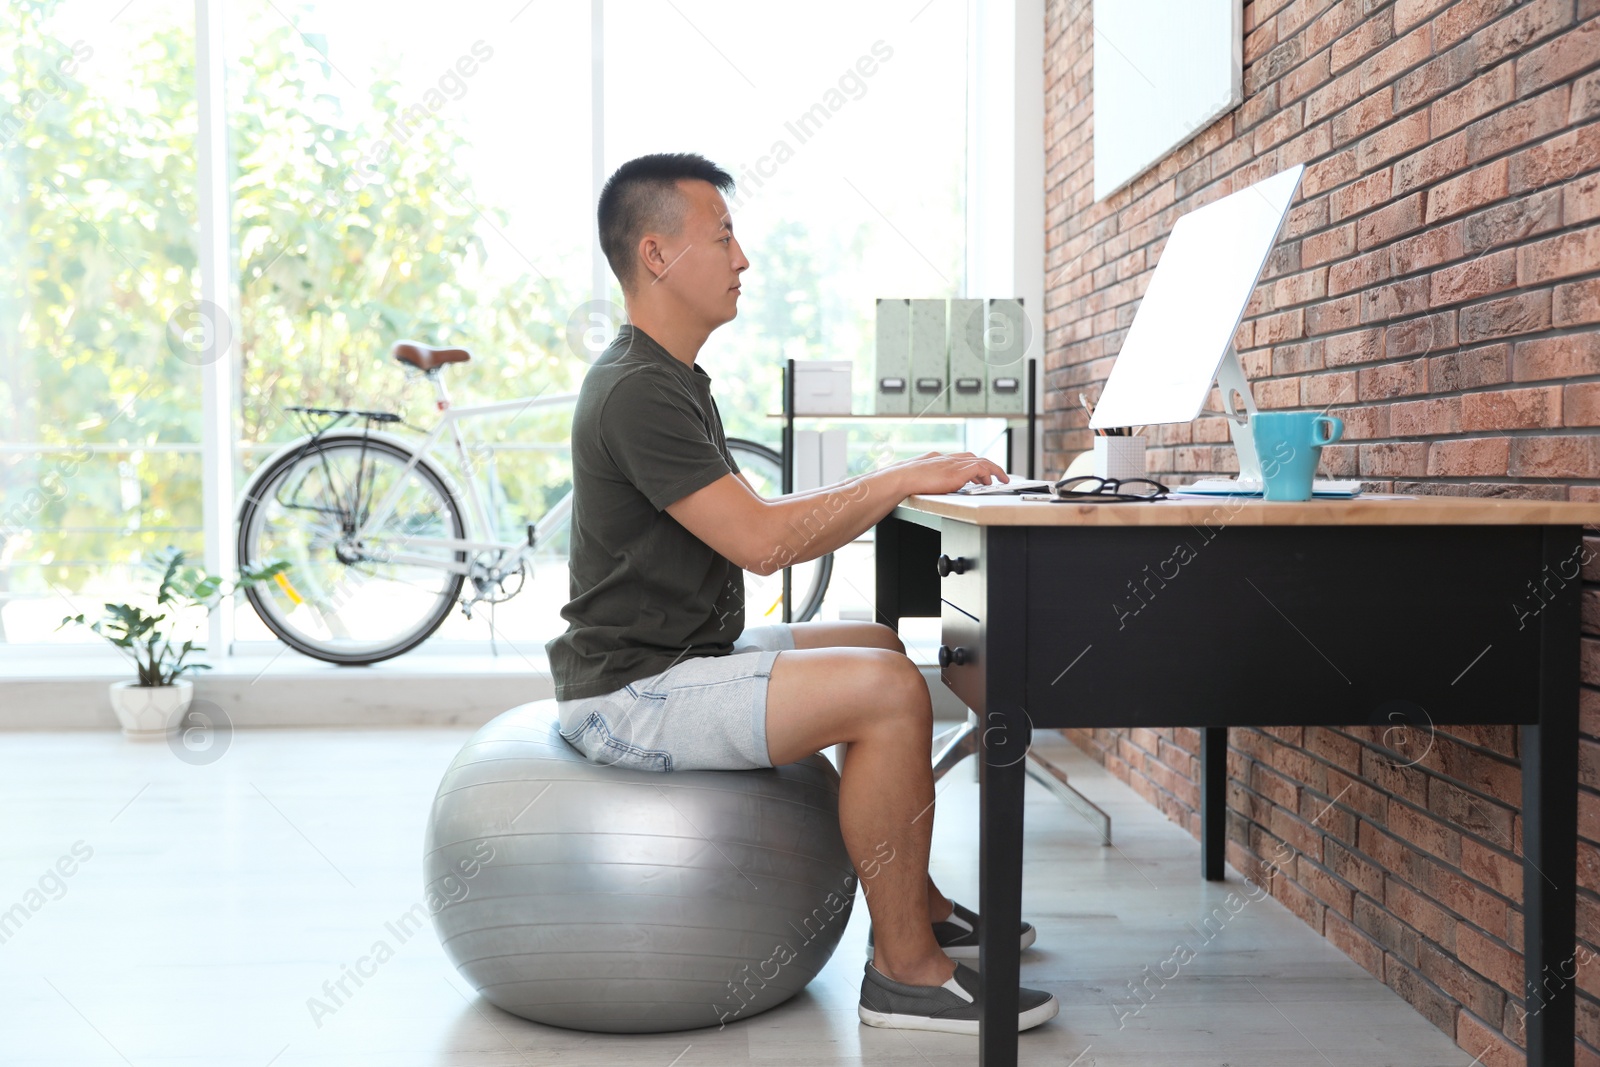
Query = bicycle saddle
x=422 y=357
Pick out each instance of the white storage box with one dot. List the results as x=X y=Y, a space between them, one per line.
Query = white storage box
x=822 y=387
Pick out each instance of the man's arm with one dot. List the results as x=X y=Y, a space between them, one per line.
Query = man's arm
x=767 y=535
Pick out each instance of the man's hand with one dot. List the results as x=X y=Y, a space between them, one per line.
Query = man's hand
x=946 y=472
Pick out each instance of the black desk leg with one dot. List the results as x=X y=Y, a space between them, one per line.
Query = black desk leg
x=1550 y=821
x=1001 y=777
x=1213 y=801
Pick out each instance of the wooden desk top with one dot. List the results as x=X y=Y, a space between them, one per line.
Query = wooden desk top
x=1364 y=510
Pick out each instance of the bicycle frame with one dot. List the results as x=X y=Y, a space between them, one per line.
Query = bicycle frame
x=480 y=516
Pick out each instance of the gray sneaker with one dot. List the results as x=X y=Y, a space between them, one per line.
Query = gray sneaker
x=958 y=935
x=952 y=1008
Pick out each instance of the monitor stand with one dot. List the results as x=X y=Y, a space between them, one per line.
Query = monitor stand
x=1237 y=406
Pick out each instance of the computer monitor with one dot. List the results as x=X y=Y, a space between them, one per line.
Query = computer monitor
x=1181 y=338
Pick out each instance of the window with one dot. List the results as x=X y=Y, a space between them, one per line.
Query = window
x=427 y=178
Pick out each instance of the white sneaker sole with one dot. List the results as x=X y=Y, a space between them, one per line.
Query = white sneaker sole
x=970 y=952
x=888 y=1020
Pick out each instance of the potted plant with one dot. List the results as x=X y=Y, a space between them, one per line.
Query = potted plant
x=153 y=703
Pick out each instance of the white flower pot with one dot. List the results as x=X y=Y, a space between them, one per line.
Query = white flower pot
x=146 y=712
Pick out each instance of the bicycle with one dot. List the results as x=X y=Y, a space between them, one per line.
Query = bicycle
x=381 y=546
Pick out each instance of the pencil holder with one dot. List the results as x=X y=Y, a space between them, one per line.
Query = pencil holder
x=1119 y=457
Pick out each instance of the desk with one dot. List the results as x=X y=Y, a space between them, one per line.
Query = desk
x=1211 y=613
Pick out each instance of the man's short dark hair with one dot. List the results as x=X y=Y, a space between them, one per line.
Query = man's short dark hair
x=643 y=196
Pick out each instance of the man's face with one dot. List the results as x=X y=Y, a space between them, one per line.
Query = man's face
x=703 y=259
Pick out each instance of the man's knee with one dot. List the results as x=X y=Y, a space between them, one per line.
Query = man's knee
x=885 y=637
x=903 y=691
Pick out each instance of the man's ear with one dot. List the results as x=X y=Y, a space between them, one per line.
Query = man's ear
x=652 y=257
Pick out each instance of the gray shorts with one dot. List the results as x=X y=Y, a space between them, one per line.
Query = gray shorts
x=703 y=713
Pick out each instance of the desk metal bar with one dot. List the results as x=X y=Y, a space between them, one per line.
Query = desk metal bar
x=1550 y=812
x=1006 y=733
x=1213 y=802
x=960 y=741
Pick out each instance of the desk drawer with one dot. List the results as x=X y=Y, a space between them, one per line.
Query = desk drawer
x=961 y=639
x=961 y=579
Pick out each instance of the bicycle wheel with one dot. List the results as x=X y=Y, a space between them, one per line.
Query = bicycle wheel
x=763 y=596
x=342 y=601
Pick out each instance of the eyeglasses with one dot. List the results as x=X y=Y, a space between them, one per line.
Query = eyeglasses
x=1090 y=487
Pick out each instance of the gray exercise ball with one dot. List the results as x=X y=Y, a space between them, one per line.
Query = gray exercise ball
x=625 y=901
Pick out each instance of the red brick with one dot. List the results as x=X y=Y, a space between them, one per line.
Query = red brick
x=1559 y=257
x=1481 y=1041
x=1477 y=187
x=1512 y=409
x=1394 y=460
x=1479 y=277
x=1362 y=346
x=1389 y=222
x=1580 y=200
x=1355 y=944
x=1433 y=163
x=1325 y=390
x=1360 y=196
x=1461 y=20
x=1401 y=56
x=1570 y=356
x=1522 y=28
x=1573 y=304
x=1525 y=121
x=1338 y=897
x=1489 y=958
x=1580 y=405
x=1401 y=138
x=1331 y=316
x=1425 y=832
x=1365 y=876
x=1469 y=457
x=1364 y=39
x=1420 y=913
x=1493 y=868
x=1420 y=336
x=1559 y=59
x=1421 y=994
x=1365 y=115
x=1359 y=272
x=1555 y=457
x=1396 y=300
x=1425 y=418
x=1328 y=245
x=1407 y=13
x=1469 y=368
x=1445 y=71
x=1392 y=379
x=1461 y=983
x=1506 y=316
x=1485 y=93
x=1554 y=160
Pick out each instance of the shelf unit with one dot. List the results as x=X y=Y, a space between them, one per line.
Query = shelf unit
x=1029 y=419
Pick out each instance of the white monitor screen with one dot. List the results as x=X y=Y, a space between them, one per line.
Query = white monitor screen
x=1193 y=305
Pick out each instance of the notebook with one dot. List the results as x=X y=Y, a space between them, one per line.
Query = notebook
x=1230 y=487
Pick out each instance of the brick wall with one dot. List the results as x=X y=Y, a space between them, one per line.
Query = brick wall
x=1436 y=286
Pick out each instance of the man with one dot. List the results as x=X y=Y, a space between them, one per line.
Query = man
x=657 y=671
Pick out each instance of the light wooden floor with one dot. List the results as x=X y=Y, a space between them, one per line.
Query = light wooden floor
x=219 y=898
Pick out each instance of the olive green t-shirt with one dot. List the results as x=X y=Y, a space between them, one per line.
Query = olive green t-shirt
x=645 y=592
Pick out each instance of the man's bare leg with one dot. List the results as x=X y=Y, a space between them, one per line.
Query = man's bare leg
x=854 y=634
x=873 y=699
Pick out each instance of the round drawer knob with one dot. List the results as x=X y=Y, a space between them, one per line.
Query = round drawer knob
x=948 y=566
x=952 y=656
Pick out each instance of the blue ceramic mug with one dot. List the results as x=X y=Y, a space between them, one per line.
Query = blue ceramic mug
x=1289 y=443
